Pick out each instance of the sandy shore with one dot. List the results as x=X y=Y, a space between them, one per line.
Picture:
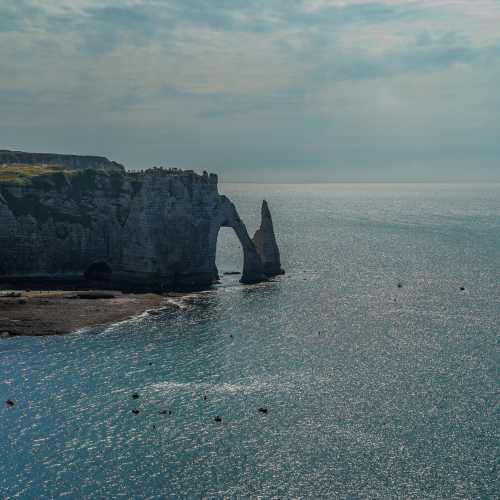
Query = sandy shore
x=59 y=312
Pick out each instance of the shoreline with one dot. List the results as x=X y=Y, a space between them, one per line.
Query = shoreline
x=58 y=312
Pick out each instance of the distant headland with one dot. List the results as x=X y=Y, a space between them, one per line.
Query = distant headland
x=85 y=221
x=68 y=218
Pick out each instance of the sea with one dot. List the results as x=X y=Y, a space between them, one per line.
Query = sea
x=369 y=370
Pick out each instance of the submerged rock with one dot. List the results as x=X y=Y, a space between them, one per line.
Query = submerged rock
x=265 y=242
x=154 y=312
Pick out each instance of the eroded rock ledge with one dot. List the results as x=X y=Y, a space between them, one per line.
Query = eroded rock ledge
x=71 y=219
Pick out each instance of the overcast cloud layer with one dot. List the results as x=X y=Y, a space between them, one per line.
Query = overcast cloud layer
x=258 y=90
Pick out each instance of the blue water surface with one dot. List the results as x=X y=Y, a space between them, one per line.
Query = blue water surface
x=372 y=391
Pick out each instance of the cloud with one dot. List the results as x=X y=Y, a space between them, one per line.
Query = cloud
x=102 y=29
x=414 y=59
x=220 y=76
x=18 y=16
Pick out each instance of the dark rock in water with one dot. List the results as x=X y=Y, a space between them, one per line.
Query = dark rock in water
x=204 y=398
x=462 y=288
x=135 y=412
x=400 y=285
x=231 y=273
x=263 y=410
x=154 y=312
x=9 y=402
x=265 y=242
x=135 y=395
x=218 y=419
x=165 y=412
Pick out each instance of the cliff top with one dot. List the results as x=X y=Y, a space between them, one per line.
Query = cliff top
x=71 y=162
x=18 y=168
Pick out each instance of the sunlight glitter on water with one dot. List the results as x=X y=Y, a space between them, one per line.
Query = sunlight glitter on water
x=372 y=391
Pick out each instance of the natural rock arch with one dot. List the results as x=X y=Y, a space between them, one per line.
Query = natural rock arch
x=252 y=264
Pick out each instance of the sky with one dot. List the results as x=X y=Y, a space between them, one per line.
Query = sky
x=258 y=90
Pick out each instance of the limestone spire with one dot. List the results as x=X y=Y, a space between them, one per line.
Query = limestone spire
x=265 y=242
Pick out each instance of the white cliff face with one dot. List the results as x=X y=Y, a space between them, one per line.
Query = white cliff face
x=154 y=230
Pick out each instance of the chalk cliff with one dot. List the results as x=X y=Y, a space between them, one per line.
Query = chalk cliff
x=73 y=218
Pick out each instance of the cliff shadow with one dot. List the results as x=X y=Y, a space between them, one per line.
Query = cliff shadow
x=98 y=271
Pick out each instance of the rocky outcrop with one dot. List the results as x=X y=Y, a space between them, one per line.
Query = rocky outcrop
x=72 y=162
x=253 y=269
x=265 y=243
x=145 y=230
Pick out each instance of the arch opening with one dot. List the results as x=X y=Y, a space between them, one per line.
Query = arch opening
x=229 y=253
x=98 y=271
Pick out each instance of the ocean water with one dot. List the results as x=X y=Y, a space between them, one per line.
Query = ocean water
x=372 y=391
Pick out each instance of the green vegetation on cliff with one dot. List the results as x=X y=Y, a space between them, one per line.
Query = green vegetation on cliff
x=48 y=177
x=17 y=174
